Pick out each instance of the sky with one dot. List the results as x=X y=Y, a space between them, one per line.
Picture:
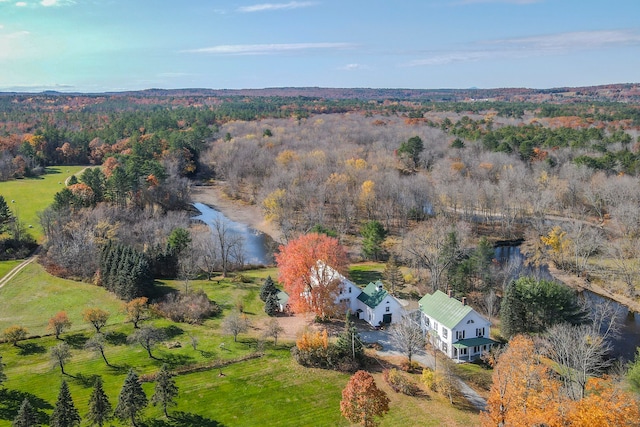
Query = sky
x=117 y=45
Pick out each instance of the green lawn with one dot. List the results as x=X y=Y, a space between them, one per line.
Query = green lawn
x=269 y=390
x=7 y=266
x=26 y=197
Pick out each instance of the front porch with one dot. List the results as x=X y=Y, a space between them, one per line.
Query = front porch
x=471 y=348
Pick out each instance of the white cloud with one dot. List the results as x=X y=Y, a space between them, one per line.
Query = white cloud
x=276 y=6
x=352 y=67
x=266 y=49
x=49 y=3
x=21 y=4
x=525 y=47
x=12 y=44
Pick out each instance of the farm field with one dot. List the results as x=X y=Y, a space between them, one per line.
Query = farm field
x=268 y=390
x=33 y=195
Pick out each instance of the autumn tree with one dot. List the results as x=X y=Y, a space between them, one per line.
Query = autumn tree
x=311 y=269
x=98 y=343
x=362 y=401
x=64 y=413
x=60 y=355
x=137 y=310
x=59 y=323
x=235 y=324
x=165 y=390
x=96 y=317
x=99 y=405
x=131 y=400
x=15 y=333
x=273 y=329
x=147 y=336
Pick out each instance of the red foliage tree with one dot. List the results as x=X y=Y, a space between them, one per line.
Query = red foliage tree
x=59 y=323
x=311 y=268
x=362 y=400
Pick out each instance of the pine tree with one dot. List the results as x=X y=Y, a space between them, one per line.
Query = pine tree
x=349 y=343
x=5 y=215
x=131 y=400
x=165 y=390
x=3 y=376
x=65 y=413
x=272 y=305
x=27 y=416
x=99 y=405
x=268 y=288
x=392 y=275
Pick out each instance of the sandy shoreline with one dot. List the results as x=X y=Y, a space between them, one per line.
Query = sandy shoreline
x=235 y=210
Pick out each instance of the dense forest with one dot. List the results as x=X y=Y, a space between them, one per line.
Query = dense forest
x=388 y=176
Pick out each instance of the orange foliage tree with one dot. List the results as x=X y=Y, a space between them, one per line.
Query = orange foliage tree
x=310 y=269
x=96 y=317
x=362 y=401
x=136 y=310
x=58 y=323
x=526 y=392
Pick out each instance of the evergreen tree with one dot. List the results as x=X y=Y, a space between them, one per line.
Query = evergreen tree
x=5 y=215
x=65 y=413
x=165 y=390
x=392 y=275
x=27 y=416
x=131 y=400
x=268 y=288
x=99 y=405
x=3 y=376
x=349 y=343
x=373 y=234
x=272 y=305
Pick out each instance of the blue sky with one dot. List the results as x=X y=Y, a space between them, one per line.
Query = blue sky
x=106 y=45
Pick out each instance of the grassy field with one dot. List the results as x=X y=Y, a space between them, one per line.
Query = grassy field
x=32 y=195
x=7 y=266
x=269 y=390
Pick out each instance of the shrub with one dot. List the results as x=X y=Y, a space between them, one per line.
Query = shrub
x=191 y=307
x=412 y=366
x=428 y=378
x=399 y=382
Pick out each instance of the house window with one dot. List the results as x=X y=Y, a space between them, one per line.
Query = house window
x=435 y=325
x=388 y=309
x=479 y=332
x=463 y=351
x=476 y=349
x=349 y=289
x=426 y=321
x=470 y=321
x=459 y=335
x=444 y=347
x=445 y=332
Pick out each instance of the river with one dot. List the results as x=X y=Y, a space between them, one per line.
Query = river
x=628 y=340
x=257 y=246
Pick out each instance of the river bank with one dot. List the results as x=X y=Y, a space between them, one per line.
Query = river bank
x=235 y=210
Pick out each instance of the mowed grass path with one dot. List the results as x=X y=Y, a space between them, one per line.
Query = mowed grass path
x=33 y=195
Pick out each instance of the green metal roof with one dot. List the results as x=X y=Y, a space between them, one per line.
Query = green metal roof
x=473 y=342
x=443 y=309
x=283 y=298
x=371 y=296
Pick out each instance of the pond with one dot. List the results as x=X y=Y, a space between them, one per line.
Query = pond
x=624 y=345
x=257 y=247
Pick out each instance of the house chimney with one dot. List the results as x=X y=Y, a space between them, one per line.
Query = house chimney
x=450 y=293
x=464 y=300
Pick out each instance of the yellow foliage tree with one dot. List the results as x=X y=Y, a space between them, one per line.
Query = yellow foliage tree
x=559 y=244
x=272 y=204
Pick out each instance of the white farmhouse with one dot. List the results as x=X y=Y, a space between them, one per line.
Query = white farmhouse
x=372 y=304
x=454 y=327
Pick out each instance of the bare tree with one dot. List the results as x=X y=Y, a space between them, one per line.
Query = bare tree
x=625 y=254
x=97 y=343
x=407 y=336
x=147 y=336
x=235 y=324
x=273 y=329
x=228 y=243
x=60 y=355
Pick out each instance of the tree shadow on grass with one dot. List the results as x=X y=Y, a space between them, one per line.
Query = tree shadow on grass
x=11 y=400
x=173 y=331
x=116 y=338
x=364 y=277
x=184 y=419
x=76 y=340
x=85 y=380
x=175 y=360
x=159 y=291
x=31 y=348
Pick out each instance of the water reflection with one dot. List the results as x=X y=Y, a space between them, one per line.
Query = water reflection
x=256 y=244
